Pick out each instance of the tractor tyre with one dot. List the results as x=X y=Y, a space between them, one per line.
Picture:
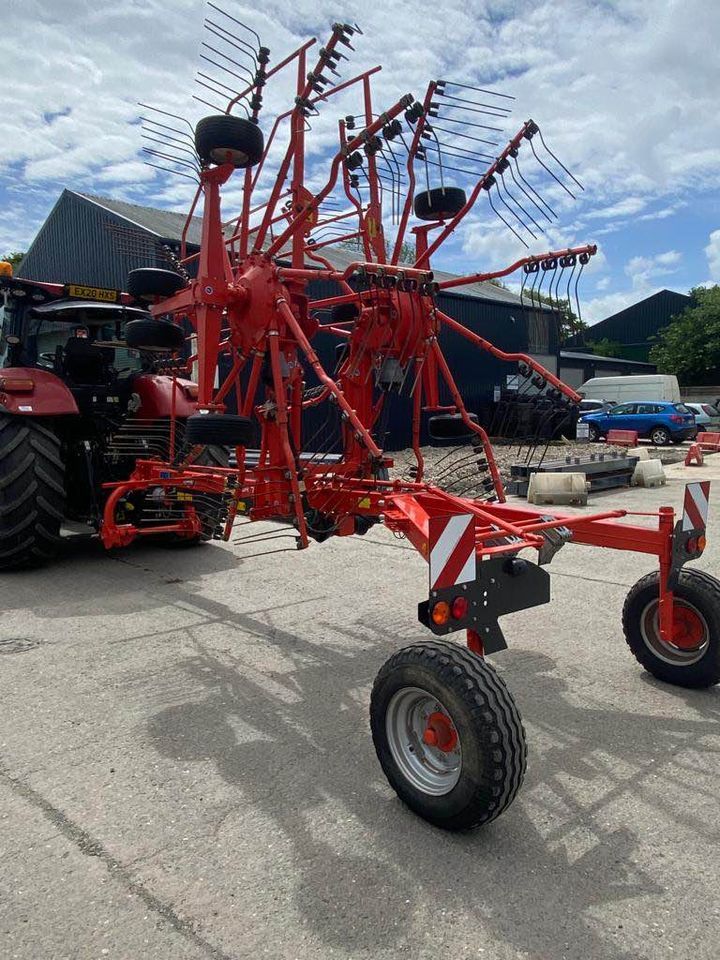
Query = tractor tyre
x=447 y=734
x=441 y=203
x=146 y=283
x=693 y=658
x=221 y=429
x=227 y=139
x=155 y=335
x=32 y=492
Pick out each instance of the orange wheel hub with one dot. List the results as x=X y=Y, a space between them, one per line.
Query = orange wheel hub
x=440 y=732
x=688 y=628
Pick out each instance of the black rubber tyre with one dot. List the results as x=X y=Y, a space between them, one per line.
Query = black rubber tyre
x=344 y=311
x=227 y=139
x=214 y=515
x=660 y=437
x=223 y=429
x=486 y=723
x=593 y=433
x=148 y=282
x=156 y=335
x=695 y=663
x=439 y=203
x=32 y=492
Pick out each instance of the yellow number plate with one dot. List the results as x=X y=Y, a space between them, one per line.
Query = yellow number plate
x=91 y=293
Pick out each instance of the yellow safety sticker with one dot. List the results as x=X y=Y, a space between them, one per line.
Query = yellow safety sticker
x=364 y=502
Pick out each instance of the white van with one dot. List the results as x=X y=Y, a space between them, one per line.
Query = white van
x=653 y=386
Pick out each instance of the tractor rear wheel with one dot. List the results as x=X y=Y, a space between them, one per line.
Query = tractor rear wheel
x=32 y=492
x=693 y=658
x=448 y=734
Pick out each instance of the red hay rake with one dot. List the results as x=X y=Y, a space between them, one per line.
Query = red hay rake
x=446 y=730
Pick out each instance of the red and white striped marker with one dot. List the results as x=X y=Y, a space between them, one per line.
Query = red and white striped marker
x=451 y=545
x=695 y=507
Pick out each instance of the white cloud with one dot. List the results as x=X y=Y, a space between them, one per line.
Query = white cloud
x=712 y=252
x=642 y=270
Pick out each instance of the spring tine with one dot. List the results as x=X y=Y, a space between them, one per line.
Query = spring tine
x=235 y=20
x=219 y=93
x=447 y=166
x=466 y=154
x=221 y=66
x=577 y=298
x=501 y=217
x=559 y=162
x=467 y=86
x=178 y=173
x=514 y=214
x=465 y=136
x=476 y=103
x=165 y=156
x=530 y=198
x=211 y=23
x=156 y=123
x=532 y=188
x=174 y=116
x=192 y=153
x=213 y=106
x=517 y=202
x=467 y=123
x=518 y=218
x=548 y=170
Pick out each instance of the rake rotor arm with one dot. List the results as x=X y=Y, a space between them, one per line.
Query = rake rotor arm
x=510 y=357
x=589 y=249
x=513 y=145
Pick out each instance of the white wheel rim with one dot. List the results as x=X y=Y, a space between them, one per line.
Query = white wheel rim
x=429 y=769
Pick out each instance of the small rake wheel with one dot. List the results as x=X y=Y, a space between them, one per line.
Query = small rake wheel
x=440 y=203
x=228 y=139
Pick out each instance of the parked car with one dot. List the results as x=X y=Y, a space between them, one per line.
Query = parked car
x=589 y=406
x=707 y=417
x=645 y=386
x=661 y=422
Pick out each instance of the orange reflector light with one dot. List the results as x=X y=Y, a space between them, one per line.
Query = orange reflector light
x=5 y=269
x=459 y=608
x=440 y=613
x=16 y=384
x=696 y=544
x=701 y=542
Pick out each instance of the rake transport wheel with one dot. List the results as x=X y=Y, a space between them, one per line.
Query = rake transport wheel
x=214 y=508
x=157 y=335
x=223 y=429
x=32 y=492
x=448 y=734
x=693 y=658
x=440 y=203
x=228 y=139
x=149 y=282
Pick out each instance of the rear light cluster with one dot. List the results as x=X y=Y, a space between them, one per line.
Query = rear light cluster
x=442 y=611
x=676 y=418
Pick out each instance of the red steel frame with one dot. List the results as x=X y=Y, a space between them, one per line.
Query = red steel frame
x=255 y=289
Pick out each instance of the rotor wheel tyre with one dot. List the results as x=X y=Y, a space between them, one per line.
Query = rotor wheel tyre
x=440 y=203
x=148 y=282
x=32 y=492
x=226 y=139
x=660 y=436
x=593 y=433
x=156 y=335
x=448 y=734
x=222 y=429
x=693 y=658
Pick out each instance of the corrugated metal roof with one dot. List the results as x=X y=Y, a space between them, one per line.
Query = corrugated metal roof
x=164 y=223
x=635 y=324
x=572 y=355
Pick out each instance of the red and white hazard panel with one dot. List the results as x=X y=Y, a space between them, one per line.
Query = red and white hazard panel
x=451 y=548
x=695 y=507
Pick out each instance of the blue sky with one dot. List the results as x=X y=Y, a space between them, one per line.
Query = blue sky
x=624 y=90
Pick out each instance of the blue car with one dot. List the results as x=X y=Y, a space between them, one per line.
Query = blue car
x=662 y=422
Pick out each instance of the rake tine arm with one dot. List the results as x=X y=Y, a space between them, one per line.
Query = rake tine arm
x=589 y=249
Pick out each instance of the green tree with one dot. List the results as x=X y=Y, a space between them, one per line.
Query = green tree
x=689 y=346
x=569 y=322
x=14 y=258
x=606 y=347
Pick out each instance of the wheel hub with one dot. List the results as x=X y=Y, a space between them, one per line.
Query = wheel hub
x=688 y=628
x=440 y=732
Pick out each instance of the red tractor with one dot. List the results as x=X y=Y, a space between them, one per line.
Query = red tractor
x=86 y=387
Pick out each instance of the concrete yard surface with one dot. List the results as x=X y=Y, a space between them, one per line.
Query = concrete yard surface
x=186 y=769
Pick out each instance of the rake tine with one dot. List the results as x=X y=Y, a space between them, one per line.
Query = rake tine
x=235 y=20
x=221 y=66
x=530 y=198
x=467 y=86
x=192 y=153
x=548 y=170
x=213 y=106
x=498 y=214
x=467 y=123
x=517 y=202
x=532 y=188
x=559 y=162
x=502 y=111
x=211 y=23
x=507 y=205
x=177 y=173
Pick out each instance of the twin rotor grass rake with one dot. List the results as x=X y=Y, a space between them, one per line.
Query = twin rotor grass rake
x=446 y=729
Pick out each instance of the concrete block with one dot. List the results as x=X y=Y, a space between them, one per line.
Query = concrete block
x=558 y=488
x=642 y=453
x=649 y=473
